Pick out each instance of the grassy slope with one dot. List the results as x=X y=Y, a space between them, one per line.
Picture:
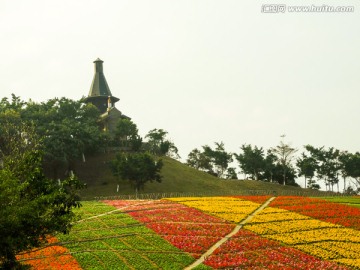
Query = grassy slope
x=177 y=177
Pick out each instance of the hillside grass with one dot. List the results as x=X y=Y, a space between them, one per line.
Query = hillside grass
x=177 y=178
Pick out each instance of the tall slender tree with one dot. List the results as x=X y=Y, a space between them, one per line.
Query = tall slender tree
x=285 y=155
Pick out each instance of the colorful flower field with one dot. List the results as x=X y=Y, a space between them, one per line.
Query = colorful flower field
x=208 y=233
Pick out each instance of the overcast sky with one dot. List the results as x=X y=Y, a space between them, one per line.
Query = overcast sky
x=203 y=70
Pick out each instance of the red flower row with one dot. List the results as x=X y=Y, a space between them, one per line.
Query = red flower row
x=320 y=209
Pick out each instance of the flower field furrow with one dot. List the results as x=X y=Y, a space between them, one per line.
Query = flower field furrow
x=332 y=212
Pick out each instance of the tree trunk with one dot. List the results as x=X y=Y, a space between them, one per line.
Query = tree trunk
x=10 y=262
x=284 y=177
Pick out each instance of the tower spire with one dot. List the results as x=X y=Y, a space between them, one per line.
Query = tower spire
x=99 y=91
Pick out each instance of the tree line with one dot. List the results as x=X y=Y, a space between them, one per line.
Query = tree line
x=281 y=165
x=69 y=131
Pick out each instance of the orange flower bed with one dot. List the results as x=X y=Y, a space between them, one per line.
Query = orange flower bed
x=50 y=257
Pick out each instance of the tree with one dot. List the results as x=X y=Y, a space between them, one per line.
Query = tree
x=285 y=154
x=353 y=169
x=278 y=174
x=137 y=168
x=158 y=144
x=307 y=167
x=198 y=160
x=251 y=160
x=270 y=166
x=69 y=128
x=32 y=206
x=219 y=158
x=345 y=158
x=329 y=164
x=213 y=161
x=231 y=173
x=127 y=132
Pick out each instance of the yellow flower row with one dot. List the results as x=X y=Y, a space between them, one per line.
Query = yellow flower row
x=270 y=214
x=322 y=239
x=333 y=250
x=350 y=262
x=227 y=208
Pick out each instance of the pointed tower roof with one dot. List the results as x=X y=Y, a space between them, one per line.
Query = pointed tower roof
x=99 y=86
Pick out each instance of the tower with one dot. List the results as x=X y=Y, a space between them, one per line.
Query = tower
x=100 y=93
x=100 y=96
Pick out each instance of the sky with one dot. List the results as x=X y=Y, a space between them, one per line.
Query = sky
x=204 y=70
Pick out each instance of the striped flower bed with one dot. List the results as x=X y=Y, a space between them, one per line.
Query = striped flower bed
x=248 y=250
x=172 y=233
x=325 y=240
x=186 y=228
x=227 y=208
x=321 y=209
x=266 y=223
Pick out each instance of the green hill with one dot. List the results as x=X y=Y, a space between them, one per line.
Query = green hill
x=178 y=179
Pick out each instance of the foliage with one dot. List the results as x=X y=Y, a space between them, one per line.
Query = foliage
x=127 y=133
x=307 y=166
x=32 y=206
x=158 y=144
x=251 y=160
x=219 y=158
x=270 y=167
x=213 y=161
x=351 y=168
x=231 y=173
x=290 y=176
x=198 y=160
x=328 y=164
x=138 y=168
x=69 y=128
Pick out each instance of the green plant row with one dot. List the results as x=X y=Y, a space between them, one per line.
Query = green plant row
x=117 y=241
